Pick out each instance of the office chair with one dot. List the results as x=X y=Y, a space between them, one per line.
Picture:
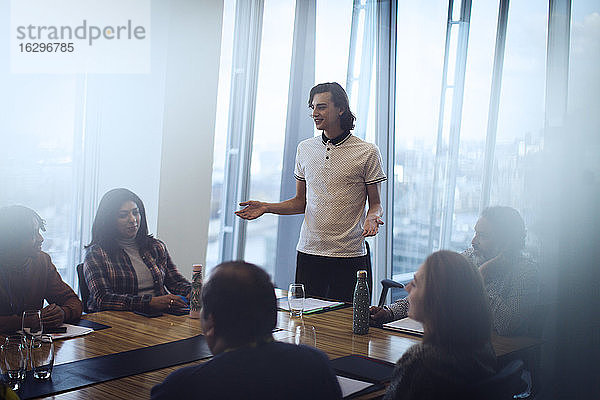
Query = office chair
x=387 y=284
x=83 y=289
x=504 y=385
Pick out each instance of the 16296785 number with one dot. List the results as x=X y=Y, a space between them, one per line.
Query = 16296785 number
x=50 y=47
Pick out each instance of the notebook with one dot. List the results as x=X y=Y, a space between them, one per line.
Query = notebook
x=405 y=325
x=311 y=305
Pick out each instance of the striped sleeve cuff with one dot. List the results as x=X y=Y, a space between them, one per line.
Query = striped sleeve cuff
x=372 y=182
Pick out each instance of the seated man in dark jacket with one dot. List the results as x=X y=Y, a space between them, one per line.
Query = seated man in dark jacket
x=27 y=275
x=238 y=316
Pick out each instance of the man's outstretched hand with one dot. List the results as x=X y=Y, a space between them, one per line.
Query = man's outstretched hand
x=252 y=209
x=371 y=226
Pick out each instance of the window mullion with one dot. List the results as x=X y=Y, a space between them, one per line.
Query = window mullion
x=240 y=128
x=385 y=100
x=451 y=155
x=492 y=126
x=298 y=127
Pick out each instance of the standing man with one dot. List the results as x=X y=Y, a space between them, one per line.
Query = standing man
x=336 y=174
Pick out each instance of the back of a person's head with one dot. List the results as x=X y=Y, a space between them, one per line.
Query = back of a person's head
x=508 y=226
x=17 y=226
x=241 y=299
x=104 y=228
x=455 y=304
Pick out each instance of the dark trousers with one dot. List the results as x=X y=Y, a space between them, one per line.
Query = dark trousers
x=331 y=277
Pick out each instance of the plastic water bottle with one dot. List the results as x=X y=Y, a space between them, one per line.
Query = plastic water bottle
x=195 y=295
x=360 y=314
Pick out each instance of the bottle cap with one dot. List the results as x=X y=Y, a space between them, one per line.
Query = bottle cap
x=361 y=274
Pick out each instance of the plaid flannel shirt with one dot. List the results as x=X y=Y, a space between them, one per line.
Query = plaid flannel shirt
x=513 y=294
x=113 y=285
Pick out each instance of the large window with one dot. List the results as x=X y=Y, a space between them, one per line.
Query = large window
x=269 y=127
x=419 y=65
x=469 y=100
x=38 y=155
x=68 y=138
x=331 y=45
x=424 y=143
x=584 y=81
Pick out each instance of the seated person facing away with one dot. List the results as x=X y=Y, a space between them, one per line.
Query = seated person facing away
x=27 y=275
x=247 y=362
x=447 y=296
x=510 y=277
x=125 y=268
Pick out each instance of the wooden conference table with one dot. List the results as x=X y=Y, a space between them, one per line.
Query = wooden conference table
x=332 y=334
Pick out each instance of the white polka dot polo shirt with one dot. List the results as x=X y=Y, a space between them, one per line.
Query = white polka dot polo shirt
x=337 y=174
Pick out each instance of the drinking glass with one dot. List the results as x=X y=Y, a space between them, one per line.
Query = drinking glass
x=42 y=356
x=296 y=299
x=20 y=339
x=31 y=323
x=306 y=334
x=12 y=363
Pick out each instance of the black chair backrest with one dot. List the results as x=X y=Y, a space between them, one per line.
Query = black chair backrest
x=504 y=385
x=387 y=284
x=83 y=288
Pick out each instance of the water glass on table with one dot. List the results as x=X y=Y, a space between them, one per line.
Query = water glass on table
x=305 y=334
x=42 y=356
x=31 y=322
x=24 y=342
x=12 y=364
x=296 y=299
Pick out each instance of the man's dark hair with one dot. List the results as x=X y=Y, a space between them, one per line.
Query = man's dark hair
x=241 y=299
x=17 y=226
x=456 y=307
x=508 y=226
x=104 y=228
x=340 y=100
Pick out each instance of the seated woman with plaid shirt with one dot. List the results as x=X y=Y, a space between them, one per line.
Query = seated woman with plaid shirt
x=125 y=268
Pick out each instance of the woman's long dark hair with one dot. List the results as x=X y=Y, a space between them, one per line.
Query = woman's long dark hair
x=455 y=304
x=104 y=229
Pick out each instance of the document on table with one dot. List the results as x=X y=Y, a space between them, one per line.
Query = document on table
x=350 y=386
x=72 y=331
x=310 y=304
x=405 y=325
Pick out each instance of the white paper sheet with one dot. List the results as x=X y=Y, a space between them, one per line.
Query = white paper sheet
x=350 y=386
x=72 y=331
x=310 y=304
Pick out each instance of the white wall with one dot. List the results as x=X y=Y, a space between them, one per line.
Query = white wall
x=192 y=73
